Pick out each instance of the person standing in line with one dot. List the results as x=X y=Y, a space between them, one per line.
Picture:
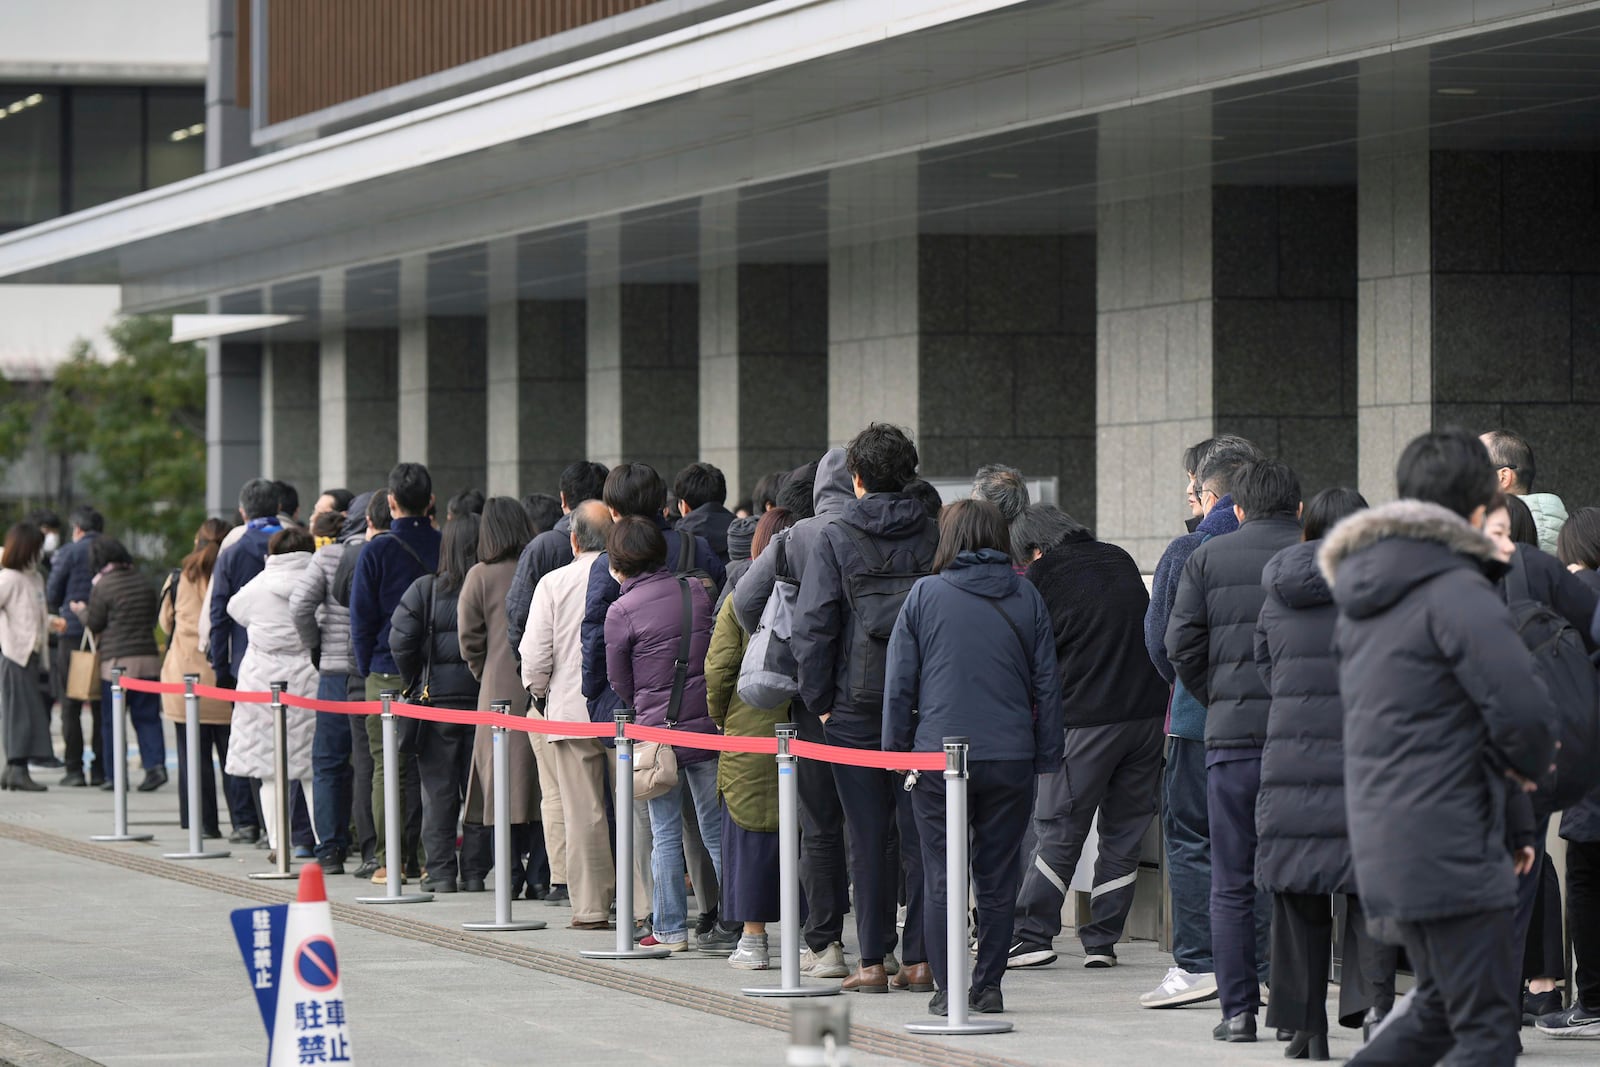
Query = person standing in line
x=122 y=613
x=701 y=491
x=551 y=548
x=367 y=518
x=1515 y=472
x=24 y=629
x=973 y=654
x=70 y=576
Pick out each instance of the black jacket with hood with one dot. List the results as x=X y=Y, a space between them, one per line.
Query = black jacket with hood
x=1441 y=698
x=1581 y=822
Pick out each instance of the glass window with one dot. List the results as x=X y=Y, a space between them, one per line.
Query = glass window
x=30 y=155
x=106 y=135
x=174 y=135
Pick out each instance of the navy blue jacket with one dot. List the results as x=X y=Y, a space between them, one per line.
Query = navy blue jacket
x=239 y=562
x=603 y=592
x=71 y=579
x=957 y=669
x=383 y=574
x=545 y=553
x=1188 y=717
x=710 y=521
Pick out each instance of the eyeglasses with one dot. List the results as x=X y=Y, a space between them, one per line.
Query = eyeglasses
x=1506 y=467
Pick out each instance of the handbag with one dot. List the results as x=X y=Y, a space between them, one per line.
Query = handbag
x=83 y=670
x=768 y=674
x=408 y=738
x=655 y=766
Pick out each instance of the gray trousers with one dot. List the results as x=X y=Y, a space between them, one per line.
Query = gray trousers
x=1114 y=770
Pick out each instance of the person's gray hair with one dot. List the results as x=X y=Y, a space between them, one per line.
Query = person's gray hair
x=590 y=524
x=1042 y=527
x=1003 y=487
x=1223 y=461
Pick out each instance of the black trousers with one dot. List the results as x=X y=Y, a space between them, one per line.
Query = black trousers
x=366 y=833
x=1302 y=957
x=1241 y=914
x=1544 y=953
x=442 y=761
x=72 y=718
x=1583 y=917
x=1464 y=1006
x=999 y=804
x=213 y=740
x=873 y=800
x=823 y=879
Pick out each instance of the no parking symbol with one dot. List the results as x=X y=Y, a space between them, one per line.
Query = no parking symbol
x=316 y=964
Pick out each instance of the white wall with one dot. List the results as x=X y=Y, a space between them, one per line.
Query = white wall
x=103 y=40
x=40 y=323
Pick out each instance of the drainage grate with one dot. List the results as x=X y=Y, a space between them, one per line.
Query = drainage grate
x=741 y=1009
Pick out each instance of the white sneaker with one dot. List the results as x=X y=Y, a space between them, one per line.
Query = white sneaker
x=1180 y=987
x=751 y=955
x=829 y=963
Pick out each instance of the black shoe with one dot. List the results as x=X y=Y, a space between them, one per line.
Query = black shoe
x=367 y=869
x=17 y=777
x=1028 y=954
x=1239 y=1029
x=1285 y=1035
x=154 y=779
x=720 y=939
x=1306 y=1045
x=536 y=891
x=74 y=780
x=558 y=895
x=704 y=922
x=211 y=833
x=245 y=835
x=937 y=1006
x=106 y=785
x=411 y=870
x=438 y=887
x=1535 y=1005
x=332 y=865
x=474 y=885
x=49 y=763
x=96 y=779
x=986 y=1001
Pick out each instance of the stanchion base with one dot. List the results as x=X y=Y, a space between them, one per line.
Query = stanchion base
x=403 y=898
x=224 y=854
x=949 y=1029
x=793 y=991
x=630 y=954
x=123 y=837
x=273 y=876
x=492 y=927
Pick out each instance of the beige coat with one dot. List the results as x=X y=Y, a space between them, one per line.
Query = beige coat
x=181 y=620
x=552 y=655
x=481 y=630
x=23 y=615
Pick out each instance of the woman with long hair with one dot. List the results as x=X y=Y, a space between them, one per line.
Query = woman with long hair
x=121 y=613
x=24 y=715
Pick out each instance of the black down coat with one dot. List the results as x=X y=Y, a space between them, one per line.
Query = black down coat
x=1303 y=846
x=449 y=681
x=1581 y=822
x=1440 y=698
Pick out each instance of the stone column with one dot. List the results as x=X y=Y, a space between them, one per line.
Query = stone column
x=372 y=384
x=412 y=318
x=333 y=453
x=233 y=412
x=290 y=409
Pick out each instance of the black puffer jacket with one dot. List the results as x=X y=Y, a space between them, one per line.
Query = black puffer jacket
x=1300 y=820
x=1581 y=822
x=1211 y=636
x=450 y=683
x=1440 y=697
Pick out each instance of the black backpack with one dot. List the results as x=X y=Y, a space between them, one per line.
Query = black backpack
x=1569 y=675
x=688 y=568
x=875 y=596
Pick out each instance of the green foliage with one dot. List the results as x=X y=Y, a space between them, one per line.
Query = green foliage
x=139 y=418
x=17 y=409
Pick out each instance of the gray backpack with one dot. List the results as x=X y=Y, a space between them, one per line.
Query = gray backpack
x=768 y=675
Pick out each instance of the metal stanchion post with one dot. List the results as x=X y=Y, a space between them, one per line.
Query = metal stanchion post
x=626 y=949
x=956 y=1022
x=119 y=765
x=392 y=844
x=280 y=769
x=789 y=880
x=502 y=836
x=191 y=719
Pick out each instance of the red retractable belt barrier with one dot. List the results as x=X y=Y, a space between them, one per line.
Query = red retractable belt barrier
x=853 y=757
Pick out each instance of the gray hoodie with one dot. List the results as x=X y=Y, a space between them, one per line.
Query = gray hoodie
x=834 y=489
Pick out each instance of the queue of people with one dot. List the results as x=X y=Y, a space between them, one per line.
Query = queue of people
x=1330 y=707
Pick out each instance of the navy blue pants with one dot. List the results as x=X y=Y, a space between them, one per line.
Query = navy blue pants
x=873 y=800
x=1241 y=915
x=144 y=715
x=332 y=776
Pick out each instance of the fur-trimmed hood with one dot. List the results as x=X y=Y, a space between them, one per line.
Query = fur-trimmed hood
x=1374 y=557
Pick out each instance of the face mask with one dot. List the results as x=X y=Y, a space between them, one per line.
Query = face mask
x=52 y=541
x=619 y=579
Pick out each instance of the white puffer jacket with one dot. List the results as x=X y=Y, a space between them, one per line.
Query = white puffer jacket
x=275 y=655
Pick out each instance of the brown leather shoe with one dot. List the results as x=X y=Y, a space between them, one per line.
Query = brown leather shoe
x=872 y=979
x=917 y=977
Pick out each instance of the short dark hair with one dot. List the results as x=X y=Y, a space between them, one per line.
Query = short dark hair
x=765 y=494
x=636 y=545
x=796 y=490
x=1267 y=488
x=1579 y=539
x=700 y=484
x=1510 y=451
x=591 y=533
x=1042 y=526
x=925 y=494
x=542 y=511
x=24 y=543
x=1524 y=531
x=412 y=487
x=342 y=498
x=582 y=481
x=635 y=489
x=378 y=511
x=503 y=530
x=44 y=518
x=1003 y=487
x=883 y=457
x=967 y=526
x=1194 y=454
x=1221 y=464
x=466 y=502
x=87 y=519
x=458 y=551
x=107 y=550
x=288 y=498
x=1325 y=510
x=259 y=499
x=1447 y=467
x=290 y=539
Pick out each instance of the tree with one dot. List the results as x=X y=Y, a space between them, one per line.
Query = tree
x=17 y=410
x=139 y=419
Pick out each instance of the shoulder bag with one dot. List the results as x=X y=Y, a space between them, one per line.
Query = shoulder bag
x=409 y=736
x=655 y=766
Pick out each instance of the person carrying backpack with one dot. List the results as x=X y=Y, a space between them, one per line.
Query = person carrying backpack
x=857 y=574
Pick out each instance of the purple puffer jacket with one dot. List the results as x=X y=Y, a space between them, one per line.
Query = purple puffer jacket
x=643 y=629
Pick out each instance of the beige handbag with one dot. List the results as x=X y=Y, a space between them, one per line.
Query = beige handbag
x=83 y=670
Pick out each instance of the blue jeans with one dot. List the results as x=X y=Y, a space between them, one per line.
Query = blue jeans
x=144 y=712
x=666 y=856
x=1187 y=832
x=332 y=776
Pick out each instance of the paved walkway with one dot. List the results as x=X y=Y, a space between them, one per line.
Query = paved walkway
x=114 y=954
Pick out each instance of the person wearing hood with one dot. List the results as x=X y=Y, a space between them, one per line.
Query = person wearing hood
x=1185 y=829
x=1112 y=703
x=1211 y=642
x=973 y=654
x=1443 y=718
x=1303 y=850
x=1515 y=471
x=275 y=654
x=324 y=628
x=882 y=538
